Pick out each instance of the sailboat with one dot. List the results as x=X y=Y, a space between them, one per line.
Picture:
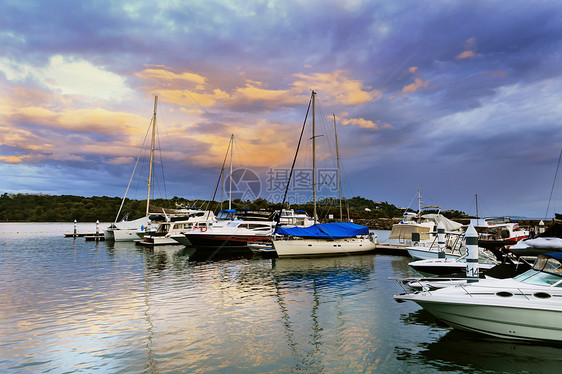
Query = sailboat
x=321 y=239
x=125 y=230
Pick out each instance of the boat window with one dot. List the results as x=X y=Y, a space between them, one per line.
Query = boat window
x=259 y=227
x=539 y=278
x=549 y=265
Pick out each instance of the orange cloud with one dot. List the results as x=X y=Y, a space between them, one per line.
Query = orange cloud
x=363 y=123
x=413 y=87
x=469 y=49
x=13 y=159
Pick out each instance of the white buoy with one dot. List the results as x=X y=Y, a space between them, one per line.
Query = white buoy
x=440 y=240
x=74 y=227
x=471 y=236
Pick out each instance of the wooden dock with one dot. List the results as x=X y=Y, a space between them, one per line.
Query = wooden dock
x=88 y=236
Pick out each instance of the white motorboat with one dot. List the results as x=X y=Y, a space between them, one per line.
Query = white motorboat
x=526 y=307
x=235 y=233
x=498 y=231
x=166 y=231
x=125 y=230
x=452 y=249
x=418 y=231
x=449 y=266
x=536 y=246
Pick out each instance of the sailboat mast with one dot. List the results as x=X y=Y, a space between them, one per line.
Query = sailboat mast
x=338 y=160
x=151 y=153
x=230 y=189
x=419 y=205
x=314 y=152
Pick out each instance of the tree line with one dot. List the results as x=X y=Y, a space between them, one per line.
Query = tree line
x=67 y=208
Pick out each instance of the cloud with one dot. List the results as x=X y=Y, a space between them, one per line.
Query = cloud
x=69 y=76
x=469 y=52
x=417 y=85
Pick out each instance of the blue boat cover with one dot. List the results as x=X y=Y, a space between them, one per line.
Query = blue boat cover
x=335 y=230
x=556 y=255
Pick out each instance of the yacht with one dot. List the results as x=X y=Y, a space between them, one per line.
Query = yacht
x=526 y=307
x=494 y=232
x=235 y=233
x=164 y=234
x=417 y=233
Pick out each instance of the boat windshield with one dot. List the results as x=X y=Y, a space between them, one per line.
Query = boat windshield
x=546 y=271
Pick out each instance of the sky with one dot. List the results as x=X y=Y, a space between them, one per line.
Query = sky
x=459 y=99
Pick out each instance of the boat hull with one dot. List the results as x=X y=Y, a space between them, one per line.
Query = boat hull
x=499 y=321
x=200 y=240
x=441 y=268
x=319 y=247
x=428 y=254
x=125 y=235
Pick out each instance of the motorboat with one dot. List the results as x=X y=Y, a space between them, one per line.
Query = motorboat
x=450 y=266
x=235 y=233
x=536 y=246
x=164 y=234
x=238 y=228
x=494 y=232
x=525 y=307
x=453 y=247
x=417 y=232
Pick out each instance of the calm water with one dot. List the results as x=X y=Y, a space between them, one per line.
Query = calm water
x=68 y=305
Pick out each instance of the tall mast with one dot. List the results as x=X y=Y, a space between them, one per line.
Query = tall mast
x=338 y=160
x=151 y=153
x=230 y=189
x=314 y=152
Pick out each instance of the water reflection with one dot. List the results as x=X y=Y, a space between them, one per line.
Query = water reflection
x=459 y=350
x=316 y=298
x=69 y=305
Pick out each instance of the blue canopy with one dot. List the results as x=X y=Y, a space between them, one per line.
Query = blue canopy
x=336 y=230
x=556 y=255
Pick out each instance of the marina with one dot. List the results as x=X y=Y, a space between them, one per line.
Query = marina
x=69 y=305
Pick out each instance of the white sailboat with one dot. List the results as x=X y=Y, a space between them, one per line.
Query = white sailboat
x=125 y=230
x=321 y=239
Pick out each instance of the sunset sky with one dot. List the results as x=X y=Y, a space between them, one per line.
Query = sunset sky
x=456 y=98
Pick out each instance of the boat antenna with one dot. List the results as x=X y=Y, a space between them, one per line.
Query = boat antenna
x=553 y=183
x=294 y=161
